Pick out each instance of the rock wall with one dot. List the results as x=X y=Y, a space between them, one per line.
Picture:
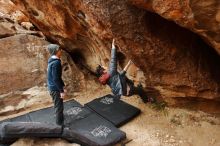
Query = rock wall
x=200 y=16
x=23 y=59
x=175 y=62
x=9 y=10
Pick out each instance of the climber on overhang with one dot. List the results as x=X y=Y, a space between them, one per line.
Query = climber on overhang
x=118 y=81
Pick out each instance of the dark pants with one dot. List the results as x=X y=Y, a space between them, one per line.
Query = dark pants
x=136 y=90
x=58 y=106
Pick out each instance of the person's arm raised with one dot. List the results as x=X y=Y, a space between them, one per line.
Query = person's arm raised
x=123 y=72
x=113 y=61
x=127 y=66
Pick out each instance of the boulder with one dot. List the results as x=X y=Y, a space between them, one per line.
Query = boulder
x=174 y=61
x=23 y=60
x=199 y=16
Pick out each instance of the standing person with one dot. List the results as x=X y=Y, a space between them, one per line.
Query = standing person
x=55 y=82
x=118 y=81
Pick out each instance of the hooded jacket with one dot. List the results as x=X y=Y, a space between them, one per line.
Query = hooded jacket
x=54 y=75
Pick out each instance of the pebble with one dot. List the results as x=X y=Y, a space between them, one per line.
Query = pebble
x=172 y=140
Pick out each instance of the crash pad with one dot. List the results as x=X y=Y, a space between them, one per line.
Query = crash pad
x=113 y=109
x=91 y=129
x=82 y=125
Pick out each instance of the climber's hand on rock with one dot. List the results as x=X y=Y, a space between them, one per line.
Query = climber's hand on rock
x=113 y=43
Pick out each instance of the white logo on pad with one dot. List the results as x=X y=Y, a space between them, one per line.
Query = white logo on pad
x=101 y=131
x=107 y=100
x=74 y=111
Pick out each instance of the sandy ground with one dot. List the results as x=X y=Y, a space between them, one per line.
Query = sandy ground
x=170 y=127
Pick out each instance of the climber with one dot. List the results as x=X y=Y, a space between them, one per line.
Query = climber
x=55 y=82
x=118 y=81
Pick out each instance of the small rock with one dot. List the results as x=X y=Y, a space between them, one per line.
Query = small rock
x=172 y=140
x=213 y=141
x=27 y=25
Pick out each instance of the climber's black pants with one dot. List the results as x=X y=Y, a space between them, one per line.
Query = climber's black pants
x=58 y=106
x=136 y=90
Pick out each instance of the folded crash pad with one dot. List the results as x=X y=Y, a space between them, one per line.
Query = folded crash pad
x=5 y=141
x=114 y=110
x=88 y=128
x=11 y=131
x=29 y=129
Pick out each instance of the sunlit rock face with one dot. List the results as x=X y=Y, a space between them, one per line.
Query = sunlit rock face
x=172 y=61
x=200 y=16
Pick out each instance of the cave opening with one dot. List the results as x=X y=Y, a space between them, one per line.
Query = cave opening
x=80 y=61
x=188 y=44
x=121 y=59
x=77 y=57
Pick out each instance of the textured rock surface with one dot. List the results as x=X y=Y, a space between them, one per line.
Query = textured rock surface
x=200 y=16
x=175 y=62
x=24 y=68
x=23 y=60
x=8 y=9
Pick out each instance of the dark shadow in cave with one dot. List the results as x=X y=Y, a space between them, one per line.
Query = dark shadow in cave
x=80 y=62
x=192 y=46
x=188 y=44
x=121 y=59
x=193 y=103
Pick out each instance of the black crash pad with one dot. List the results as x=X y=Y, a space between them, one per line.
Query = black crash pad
x=82 y=125
x=114 y=110
x=22 y=118
x=74 y=114
x=88 y=128
x=47 y=114
x=43 y=115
